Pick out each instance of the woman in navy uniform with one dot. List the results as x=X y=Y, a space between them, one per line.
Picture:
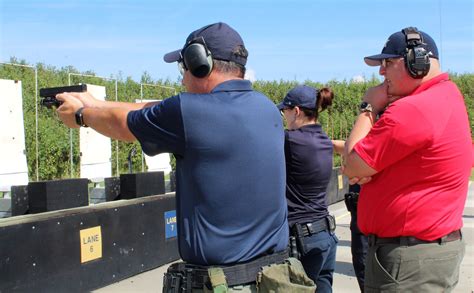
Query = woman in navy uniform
x=308 y=155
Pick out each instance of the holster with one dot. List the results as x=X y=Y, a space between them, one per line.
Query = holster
x=182 y=278
x=331 y=221
x=300 y=231
x=351 y=199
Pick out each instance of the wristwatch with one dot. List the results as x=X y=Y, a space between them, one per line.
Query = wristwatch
x=365 y=107
x=80 y=118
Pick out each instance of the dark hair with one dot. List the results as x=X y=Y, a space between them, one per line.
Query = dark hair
x=324 y=99
x=229 y=67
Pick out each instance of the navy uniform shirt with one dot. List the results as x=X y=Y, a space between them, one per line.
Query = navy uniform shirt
x=230 y=192
x=308 y=153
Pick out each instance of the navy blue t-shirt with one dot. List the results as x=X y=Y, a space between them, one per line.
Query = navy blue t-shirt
x=308 y=154
x=229 y=148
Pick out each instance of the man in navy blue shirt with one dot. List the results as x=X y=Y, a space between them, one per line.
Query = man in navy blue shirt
x=228 y=142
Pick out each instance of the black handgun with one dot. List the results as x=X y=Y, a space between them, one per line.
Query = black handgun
x=49 y=94
x=294 y=248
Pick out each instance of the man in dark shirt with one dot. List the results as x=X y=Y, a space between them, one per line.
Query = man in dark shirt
x=228 y=143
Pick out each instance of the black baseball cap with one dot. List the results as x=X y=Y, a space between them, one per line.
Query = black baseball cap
x=223 y=41
x=302 y=96
x=396 y=47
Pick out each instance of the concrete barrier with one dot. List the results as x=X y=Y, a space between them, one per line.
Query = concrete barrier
x=141 y=184
x=84 y=248
x=55 y=195
x=20 y=205
x=338 y=186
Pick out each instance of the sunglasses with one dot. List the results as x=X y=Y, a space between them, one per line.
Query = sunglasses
x=181 y=67
x=282 y=111
x=387 y=61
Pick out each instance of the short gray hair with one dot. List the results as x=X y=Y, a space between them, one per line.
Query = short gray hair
x=229 y=67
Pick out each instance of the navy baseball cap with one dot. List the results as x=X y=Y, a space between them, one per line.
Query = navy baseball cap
x=302 y=96
x=396 y=47
x=222 y=40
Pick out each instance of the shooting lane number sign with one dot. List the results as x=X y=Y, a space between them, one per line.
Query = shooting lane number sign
x=170 y=224
x=91 y=244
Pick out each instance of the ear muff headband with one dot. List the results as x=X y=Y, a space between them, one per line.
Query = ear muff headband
x=197 y=58
x=416 y=57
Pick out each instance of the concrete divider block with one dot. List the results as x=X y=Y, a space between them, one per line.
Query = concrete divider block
x=20 y=204
x=44 y=196
x=112 y=188
x=141 y=184
x=5 y=207
x=337 y=187
x=331 y=190
x=97 y=195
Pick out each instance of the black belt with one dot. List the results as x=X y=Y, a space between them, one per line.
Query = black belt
x=312 y=228
x=410 y=240
x=238 y=274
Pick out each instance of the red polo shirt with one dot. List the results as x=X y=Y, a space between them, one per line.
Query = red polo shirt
x=421 y=148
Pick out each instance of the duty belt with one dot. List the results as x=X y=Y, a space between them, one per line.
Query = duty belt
x=410 y=240
x=183 y=277
x=312 y=228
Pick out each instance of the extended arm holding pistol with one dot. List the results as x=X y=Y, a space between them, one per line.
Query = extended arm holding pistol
x=49 y=94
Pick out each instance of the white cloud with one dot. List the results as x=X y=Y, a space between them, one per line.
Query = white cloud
x=250 y=75
x=358 y=78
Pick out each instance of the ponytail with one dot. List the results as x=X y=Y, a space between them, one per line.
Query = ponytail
x=324 y=99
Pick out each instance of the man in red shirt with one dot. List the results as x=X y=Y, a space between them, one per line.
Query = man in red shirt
x=415 y=160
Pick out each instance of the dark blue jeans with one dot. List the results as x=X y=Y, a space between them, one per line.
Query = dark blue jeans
x=320 y=259
x=359 y=246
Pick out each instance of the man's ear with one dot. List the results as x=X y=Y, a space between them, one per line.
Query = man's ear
x=297 y=110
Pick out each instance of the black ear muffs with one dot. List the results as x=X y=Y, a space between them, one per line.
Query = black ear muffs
x=197 y=58
x=417 y=59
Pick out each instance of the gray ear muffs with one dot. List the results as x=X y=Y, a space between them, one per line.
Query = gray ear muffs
x=417 y=59
x=197 y=58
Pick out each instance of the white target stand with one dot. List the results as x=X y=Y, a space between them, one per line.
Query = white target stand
x=13 y=166
x=160 y=162
x=95 y=148
x=70 y=131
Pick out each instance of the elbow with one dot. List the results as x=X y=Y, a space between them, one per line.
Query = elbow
x=349 y=164
x=354 y=166
x=349 y=170
x=126 y=134
x=123 y=132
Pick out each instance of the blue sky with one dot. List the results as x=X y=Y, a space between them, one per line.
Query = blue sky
x=289 y=40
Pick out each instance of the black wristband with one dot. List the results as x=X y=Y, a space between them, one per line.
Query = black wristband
x=80 y=118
